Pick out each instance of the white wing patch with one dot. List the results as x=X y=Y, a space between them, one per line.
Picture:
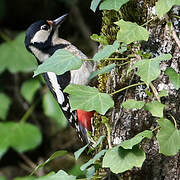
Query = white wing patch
x=56 y=87
x=65 y=108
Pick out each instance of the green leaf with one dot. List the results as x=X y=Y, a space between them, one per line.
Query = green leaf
x=59 y=63
x=156 y=108
x=94 y=4
x=75 y=171
x=106 y=51
x=29 y=89
x=60 y=175
x=150 y=94
x=46 y=176
x=123 y=48
x=163 y=6
x=112 y=4
x=88 y=98
x=130 y=32
x=120 y=160
x=52 y=110
x=163 y=93
x=90 y=172
x=168 y=138
x=99 y=141
x=2 y=178
x=174 y=77
x=149 y=69
x=106 y=69
x=20 y=136
x=133 y=104
x=128 y=144
x=53 y=156
x=4 y=105
x=25 y=178
x=15 y=57
x=80 y=151
x=92 y=161
x=99 y=38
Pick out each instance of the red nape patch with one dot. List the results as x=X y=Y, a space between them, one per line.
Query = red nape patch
x=85 y=118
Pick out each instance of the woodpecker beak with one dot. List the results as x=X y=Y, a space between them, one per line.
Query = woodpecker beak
x=58 y=21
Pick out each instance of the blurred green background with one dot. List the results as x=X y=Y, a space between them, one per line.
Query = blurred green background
x=32 y=126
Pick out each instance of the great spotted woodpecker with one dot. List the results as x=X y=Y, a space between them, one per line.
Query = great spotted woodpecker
x=42 y=41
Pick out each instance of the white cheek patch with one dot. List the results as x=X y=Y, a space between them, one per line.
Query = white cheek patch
x=40 y=36
x=56 y=87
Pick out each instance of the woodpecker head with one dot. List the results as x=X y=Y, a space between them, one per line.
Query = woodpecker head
x=40 y=35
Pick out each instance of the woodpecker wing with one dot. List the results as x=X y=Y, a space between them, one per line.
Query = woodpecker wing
x=57 y=84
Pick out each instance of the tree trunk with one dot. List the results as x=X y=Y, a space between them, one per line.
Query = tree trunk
x=126 y=124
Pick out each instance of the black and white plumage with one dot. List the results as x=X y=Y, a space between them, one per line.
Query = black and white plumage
x=42 y=41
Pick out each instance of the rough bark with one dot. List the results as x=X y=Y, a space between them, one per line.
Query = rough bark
x=127 y=123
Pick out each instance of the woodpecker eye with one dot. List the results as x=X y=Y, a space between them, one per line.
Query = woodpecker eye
x=45 y=27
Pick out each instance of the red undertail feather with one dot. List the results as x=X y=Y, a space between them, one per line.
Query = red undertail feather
x=85 y=118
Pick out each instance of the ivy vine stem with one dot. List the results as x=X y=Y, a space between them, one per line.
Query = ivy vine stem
x=147 y=22
x=175 y=123
x=127 y=87
x=156 y=128
x=108 y=128
x=154 y=91
x=113 y=59
x=176 y=16
x=28 y=113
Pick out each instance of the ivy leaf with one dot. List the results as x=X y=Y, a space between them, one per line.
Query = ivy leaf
x=15 y=57
x=53 y=156
x=120 y=160
x=58 y=176
x=94 y=4
x=149 y=69
x=98 y=142
x=52 y=110
x=59 y=63
x=123 y=48
x=106 y=51
x=106 y=69
x=92 y=161
x=24 y=178
x=156 y=108
x=20 y=136
x=88 y=98
x=29 y=89
x=163 y=6
x=99 y=38
x=128 y=144
x=130 y=32
x=80 y=151
x=168 y=138
x=133 y=104
x=90 y=172
x=2 y=178
x=163 y=93
x=112 y=4
x=4 y=105
x=174 y=77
